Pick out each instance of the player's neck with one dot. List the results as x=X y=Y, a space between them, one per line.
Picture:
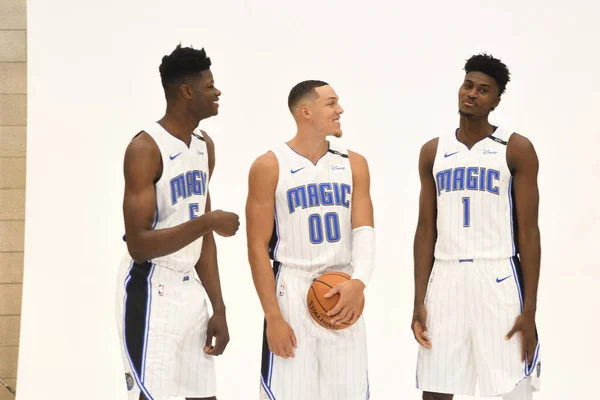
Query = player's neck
x=309 y=145
x=473 y=130
x=179 y=124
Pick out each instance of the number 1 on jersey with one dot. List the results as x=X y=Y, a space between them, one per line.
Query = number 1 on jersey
x=332 y=228
x=466 y=211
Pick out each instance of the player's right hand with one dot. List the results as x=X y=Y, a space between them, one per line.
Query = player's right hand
x=419 y=326
x=281 y=338
x=225 y=223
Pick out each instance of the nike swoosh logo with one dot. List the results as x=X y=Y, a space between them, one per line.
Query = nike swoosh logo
x=293 y=171
x=503 y=279
x=175 y=156
x=446 y=155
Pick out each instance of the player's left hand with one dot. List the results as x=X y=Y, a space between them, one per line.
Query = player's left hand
x=348 y=306
x=525 y=323
x=217 y=328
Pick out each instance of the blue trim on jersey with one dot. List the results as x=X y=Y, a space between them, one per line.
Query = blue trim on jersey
x=267 y=385
x=536 y=355
x=278 y=238
x=267 y=389
x=528 y=368
x=515 y=276
x=512 y=216
x=148 y=309
x=136 y=374
x=315 y=164
x=155 y=216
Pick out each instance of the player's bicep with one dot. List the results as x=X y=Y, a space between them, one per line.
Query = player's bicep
x=260 y=204
x=362 y=204
x=428 y=194
x=141 y=166
x=524 y=164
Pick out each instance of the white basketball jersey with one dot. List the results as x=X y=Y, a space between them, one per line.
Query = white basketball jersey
x=313 y=208
x=181 y=191
x=475 y=214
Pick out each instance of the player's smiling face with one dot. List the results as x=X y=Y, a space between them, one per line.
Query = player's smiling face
x=205 y=95
x=326 y=112
x=477 y=95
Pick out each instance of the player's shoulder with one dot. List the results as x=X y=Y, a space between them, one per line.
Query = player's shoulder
x=266 y=162
x=429 y=148
x=357 y=158
x=142 y=144
x=265 y=167
x=518 y=141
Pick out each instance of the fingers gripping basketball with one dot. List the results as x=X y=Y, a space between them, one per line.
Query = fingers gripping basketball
x=318 y=305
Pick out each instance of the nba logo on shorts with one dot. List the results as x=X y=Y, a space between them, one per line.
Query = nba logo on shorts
x=281 y=290
x=161 y=290
x=129 y=381
x=431 y=278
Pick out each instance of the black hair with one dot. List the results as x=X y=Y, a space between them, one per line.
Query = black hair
x=182 y=63
x=302 y=89
x=490 y=66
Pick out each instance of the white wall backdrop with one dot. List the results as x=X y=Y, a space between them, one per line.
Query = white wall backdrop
x=93 y=83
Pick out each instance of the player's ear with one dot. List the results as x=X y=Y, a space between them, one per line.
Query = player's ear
x=185 y=90
x=305 y=111
x=496 y=103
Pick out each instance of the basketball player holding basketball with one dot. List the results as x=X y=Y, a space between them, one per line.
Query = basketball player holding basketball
x=477 y=251
x=161 y=309
x=309 y=209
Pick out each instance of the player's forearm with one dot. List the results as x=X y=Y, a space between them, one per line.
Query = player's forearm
x=151 y=244
x=530 y=252
x=423 y=257
x=208 y=272
x=264 y=281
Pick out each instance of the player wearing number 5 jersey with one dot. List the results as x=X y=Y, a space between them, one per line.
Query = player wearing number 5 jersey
x=165 y=330
x=309 y=210
x=477 y=252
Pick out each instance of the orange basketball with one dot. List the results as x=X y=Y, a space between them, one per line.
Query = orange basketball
x=318 y=305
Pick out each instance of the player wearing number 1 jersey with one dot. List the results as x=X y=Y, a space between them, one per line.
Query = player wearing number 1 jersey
x=477 y=251
x=309 y=210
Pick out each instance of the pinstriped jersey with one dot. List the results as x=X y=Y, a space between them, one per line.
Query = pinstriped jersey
x=313 y=206
x=475 y=205
x=180 y=192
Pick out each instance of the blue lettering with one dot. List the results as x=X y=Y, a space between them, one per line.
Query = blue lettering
x=296 y=197
x=472 y=180
x=326 y=194
x=322 y=194
x=458 y=183
x=188 y=184
x=313 y=195
x=491 y=187
x=346 y=189
x=442 y=180
x=177 y=189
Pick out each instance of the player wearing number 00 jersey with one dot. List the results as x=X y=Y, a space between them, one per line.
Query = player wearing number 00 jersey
x=309 y=210
x=477 y=252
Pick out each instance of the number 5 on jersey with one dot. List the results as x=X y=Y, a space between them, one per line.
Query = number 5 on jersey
x=327 y=226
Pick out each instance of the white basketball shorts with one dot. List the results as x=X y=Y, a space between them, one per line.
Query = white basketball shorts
x=162 y=318
x=328 y=365
x=471 y=306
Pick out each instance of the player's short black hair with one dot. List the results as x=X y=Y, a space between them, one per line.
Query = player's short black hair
x=491 y=66
x=302 y=89
x=183 y=62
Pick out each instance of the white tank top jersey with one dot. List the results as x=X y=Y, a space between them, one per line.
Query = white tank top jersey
x=181 y=191
x=475 y=204
x=313 y=208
